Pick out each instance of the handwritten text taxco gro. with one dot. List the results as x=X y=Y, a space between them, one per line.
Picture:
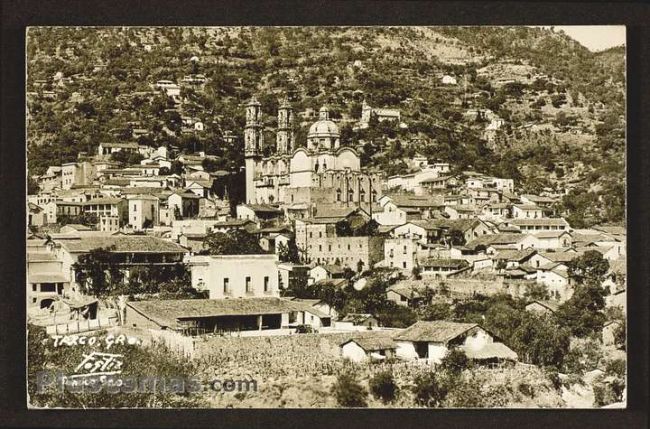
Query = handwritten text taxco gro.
x=82 y=340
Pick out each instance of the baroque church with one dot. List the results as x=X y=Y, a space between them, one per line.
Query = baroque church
x=324 y=172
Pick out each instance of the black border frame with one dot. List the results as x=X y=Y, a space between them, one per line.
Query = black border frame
x=16 y=15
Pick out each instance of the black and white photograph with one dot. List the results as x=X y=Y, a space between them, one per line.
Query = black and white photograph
x=326 y=217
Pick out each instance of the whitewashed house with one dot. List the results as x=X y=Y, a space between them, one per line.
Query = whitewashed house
x=432 y=341
x=366 y=349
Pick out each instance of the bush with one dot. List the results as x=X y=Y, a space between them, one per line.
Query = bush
x=348 y=392
x=383 y=386
x=466 y=394
x=608 y=391
x=429 y=389
x=454 y=362
x=616 y=367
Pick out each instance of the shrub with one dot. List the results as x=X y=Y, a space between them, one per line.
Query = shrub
x=454 y=362
x=616 y=367
x=383 y=386
x=607 y=391
x=348 y=392
x=466 y=394
x=429 y=389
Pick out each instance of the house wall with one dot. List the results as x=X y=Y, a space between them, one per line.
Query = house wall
x=141 y=211
x=400 y=253
x=406 y=350
x=318 y=273
x=347 y=251
x=354 y=352
x=557 y=285
x=396 y=298
x=412 y=230
x=436 y=352
x=209 y=273
x=391 y=215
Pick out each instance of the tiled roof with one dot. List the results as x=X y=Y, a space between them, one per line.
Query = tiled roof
x=263 y=208
x=121 y=145
x=514 y=255
x=167 y=312
x=614 y=230
x=371 y=344
x=494 y=239
x=437 y=331
x=458 y=224
x=541 y=221
x=444 y=263
x=103 y=201
x=561 y=256
x=416 y=201
x=549 y=234
x=334 y=212
x=527 y=206
x=490 y=351
x=122 y=243
x=551 y=305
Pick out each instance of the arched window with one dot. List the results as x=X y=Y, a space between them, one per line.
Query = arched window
x=362 y=195
x=338 y=195
x=350 y=194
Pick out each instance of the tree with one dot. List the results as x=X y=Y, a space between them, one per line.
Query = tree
x=32 y=186
x=590 y=268
x=164 y=171
x=455 y=362
x=88 y=219
x=348 y=392
x=583 y=313
x=620 y=339
x=382 y=386
x=536 y=291
x=436 y=311
x=177 y=167
x=540 y=340
x=98 y=271
x=395 y=316
x=233 y=242
x=289 y=252
x=456 y=237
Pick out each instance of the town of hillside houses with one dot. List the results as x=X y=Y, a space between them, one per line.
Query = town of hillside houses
x=313 y=219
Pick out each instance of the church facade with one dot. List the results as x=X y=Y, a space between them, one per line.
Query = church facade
x=323 y=172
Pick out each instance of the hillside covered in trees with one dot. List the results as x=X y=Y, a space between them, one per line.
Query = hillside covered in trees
x=563 y=113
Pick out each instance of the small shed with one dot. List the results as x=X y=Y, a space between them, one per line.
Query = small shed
x=543 y=307
x=361 y=319
x=368 y=348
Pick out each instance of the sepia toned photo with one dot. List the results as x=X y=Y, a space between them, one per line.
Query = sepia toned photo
x=326 y=217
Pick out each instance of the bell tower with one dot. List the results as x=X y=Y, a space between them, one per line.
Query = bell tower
x=285 y=135
x=253 y=142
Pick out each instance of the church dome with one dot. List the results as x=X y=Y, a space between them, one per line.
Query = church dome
x=323 y=127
